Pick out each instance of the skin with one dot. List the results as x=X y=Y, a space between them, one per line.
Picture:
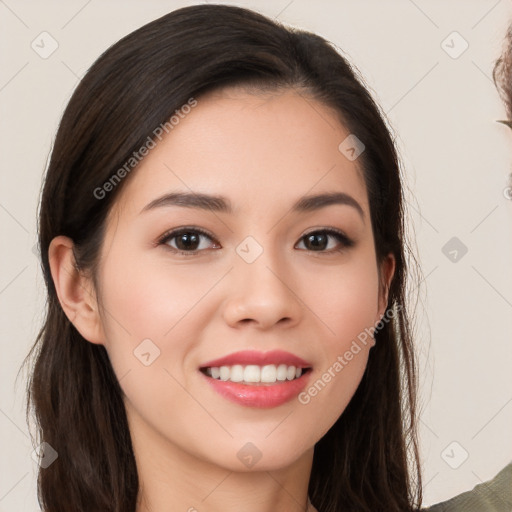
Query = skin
x=262 y=151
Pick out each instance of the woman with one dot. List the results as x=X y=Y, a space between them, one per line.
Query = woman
x=222 y=239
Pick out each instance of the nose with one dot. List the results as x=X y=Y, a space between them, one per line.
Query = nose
x=262 y=293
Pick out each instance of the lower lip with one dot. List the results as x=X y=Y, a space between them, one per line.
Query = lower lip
x=258 y=395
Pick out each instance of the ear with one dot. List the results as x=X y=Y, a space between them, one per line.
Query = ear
x=75 y=291
x=387 y=271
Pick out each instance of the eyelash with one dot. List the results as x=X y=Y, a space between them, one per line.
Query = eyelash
x=345 y=242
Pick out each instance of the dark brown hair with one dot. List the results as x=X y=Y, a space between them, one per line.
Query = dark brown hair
x=369 y=459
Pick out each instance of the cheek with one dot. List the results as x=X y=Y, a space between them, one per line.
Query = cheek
x=149 y=297
x=151 y=301
x=344 y=301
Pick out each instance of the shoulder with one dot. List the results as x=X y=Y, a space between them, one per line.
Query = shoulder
x=492 y=496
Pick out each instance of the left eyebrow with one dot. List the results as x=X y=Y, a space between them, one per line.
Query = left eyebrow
x=191 y=200
x=222 y=204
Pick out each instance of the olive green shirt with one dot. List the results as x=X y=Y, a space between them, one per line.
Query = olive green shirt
x=492 y=496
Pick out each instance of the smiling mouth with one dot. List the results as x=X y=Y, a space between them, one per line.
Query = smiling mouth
x=255 y=375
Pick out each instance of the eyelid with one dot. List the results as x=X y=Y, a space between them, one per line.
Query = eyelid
x=330 y=230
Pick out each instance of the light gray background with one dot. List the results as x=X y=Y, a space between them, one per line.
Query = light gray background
x=456 y=159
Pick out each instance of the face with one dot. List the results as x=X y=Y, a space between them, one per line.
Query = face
x=208 y=304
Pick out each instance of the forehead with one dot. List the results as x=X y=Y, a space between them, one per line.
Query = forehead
x=263 y=149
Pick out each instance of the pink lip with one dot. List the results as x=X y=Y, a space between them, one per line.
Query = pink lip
x=259 y=395
x=263 y=395
x=246 y=357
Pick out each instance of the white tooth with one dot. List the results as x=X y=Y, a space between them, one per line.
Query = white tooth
x=237 y=373
x=282 y=370
x=224 y=372
x=209 y=371
x=290 y=373
x=269 y=373
x=252 y=373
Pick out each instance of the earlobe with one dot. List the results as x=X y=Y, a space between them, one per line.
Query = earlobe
x=74 y=290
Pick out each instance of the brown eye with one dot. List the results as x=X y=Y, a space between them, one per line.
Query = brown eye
x=318 y=241
x=186 y=240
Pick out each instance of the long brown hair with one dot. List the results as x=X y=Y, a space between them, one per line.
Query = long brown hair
x=369 y=459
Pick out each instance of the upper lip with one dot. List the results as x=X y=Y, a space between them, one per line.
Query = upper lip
x=246 y=357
